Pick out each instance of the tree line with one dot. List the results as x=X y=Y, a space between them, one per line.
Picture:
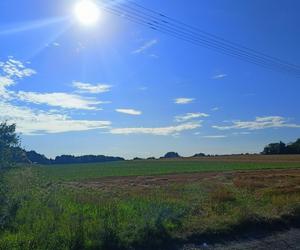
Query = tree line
x=35 y=157
x=282 y=148
x=11 y=152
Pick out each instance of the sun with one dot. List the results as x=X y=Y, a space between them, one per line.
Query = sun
x=87 y=12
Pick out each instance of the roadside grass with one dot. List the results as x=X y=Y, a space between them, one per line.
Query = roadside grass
x=40 y=211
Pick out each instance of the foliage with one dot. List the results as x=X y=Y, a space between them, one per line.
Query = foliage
x=199 y=155
x=9 y=141
x=171 y=155
x=42 y=213
x=282 y=148
x=69 y=159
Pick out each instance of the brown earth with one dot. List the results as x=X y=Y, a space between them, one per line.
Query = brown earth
x=244 y=158
x=283 y=179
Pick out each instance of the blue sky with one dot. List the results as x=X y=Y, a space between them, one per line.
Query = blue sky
x=118 y=88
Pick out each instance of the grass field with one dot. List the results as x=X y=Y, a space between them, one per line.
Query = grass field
x=146 y=204
x=160 y=167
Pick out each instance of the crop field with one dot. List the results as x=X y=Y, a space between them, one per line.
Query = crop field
x=175 y=166
x=157 y=204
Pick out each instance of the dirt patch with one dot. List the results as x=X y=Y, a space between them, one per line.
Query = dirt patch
x=246 y=158
x=281 y=180
x=146 y=181
x=245 y=179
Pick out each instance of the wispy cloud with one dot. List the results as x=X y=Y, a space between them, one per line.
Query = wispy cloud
x=143 y=88
x=215 y=109
x=129 y=111
x=37 y=121
x=171 y=130
x=190 y=116
x=56 y=44
x=62 y=100
x=15 y=69
x=241 y=133
x=11 y=71
x=219 y=76
x=260 y=123
x=4 y=83
x=91 y=88
x=145 y=46
x=184 y=100
x=30 y=121
x=214 y=136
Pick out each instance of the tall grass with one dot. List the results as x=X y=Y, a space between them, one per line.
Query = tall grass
x=41 y=212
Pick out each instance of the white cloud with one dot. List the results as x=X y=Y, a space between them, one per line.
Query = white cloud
x=171 y=130
x=90 y=88
x=241 y=133
x=14 y=68
x=260 y=123
x=31 y=121
x=154 y=56
x=215 y=109
x=4 y=83
x=145 y=46
x=129 y=111
x=219 y=76
x=189 y=116
x=184 y=100
x=143 y=88
x=214 y=136
x=62 y=100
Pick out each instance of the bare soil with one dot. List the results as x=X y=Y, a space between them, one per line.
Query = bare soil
x=284 y=179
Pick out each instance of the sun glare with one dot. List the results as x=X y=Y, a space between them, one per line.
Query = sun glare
x=87 y=12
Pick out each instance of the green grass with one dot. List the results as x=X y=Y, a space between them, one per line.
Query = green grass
x=39 y=211
x=142 y=168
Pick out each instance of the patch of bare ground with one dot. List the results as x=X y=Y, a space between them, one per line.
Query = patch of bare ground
x=146 y=181
x=247 y=158
x=282 y=181
x=285 y=180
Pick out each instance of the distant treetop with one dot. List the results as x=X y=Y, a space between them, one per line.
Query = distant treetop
x=171 y=155
x=282 y=148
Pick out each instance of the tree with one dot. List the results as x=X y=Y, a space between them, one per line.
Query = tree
x=281 y=148
x=35 y=157
x=199 y=155
x=9 y=141
x=171 y=155
x=293 y=148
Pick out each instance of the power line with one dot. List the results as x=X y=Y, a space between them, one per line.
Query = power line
x=160 y=24
x=212 y=35
x=187 y=37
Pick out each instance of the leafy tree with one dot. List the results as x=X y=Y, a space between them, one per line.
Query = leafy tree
x=9 y=141
x=199 y=155
x=293 y=148
x=171 y=155
x=35 y=157
x=281 y=148
x=275 y=148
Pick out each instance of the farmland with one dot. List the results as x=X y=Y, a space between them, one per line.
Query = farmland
x=155 y=204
